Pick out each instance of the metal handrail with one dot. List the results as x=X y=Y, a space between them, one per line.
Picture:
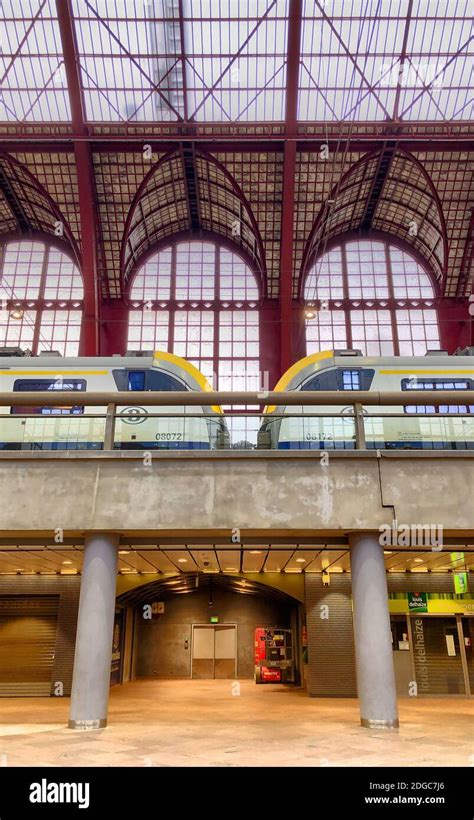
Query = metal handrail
x=355 y=399
x=265 y=398
x=269 y=417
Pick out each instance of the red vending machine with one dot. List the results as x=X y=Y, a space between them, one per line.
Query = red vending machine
x=274 y=657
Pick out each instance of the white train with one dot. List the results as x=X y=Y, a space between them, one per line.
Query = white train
x=348 y=371
x=65 y=428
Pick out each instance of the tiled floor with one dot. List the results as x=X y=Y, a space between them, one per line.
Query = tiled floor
x=206 y=723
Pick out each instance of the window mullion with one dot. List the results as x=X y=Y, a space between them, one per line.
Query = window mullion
x=391 y=294
x=172 y=304
x=40 y=308
x=217 y=292
x=345 y=286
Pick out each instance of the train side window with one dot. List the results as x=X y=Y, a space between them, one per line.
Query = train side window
x=437 y=384
x=136 y=380
x=43 y=385
x=462 y=409
x=351 y=379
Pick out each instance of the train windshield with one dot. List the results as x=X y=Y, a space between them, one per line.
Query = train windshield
x=340 y=378
x=147 y=379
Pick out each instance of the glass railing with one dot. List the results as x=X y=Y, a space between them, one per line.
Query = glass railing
x=40 y=432
x=168 y=431
x=139 y=429
x=419 y=432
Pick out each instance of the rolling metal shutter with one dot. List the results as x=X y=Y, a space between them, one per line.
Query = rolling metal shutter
x=27 y=644
x=331 y=656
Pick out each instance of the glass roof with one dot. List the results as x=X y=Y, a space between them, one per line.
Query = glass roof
x=166 y=59
x=226 y=60
x=373 y=60
x=32 y=78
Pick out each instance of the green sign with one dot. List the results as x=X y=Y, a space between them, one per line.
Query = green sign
x=214 y=619
x=460 y=583
x=417 y=601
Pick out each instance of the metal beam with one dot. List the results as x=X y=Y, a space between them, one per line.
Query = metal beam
x=403 y=56
x=15 y=205
x=378 y=183
x=289 y=170
x=191 y=186
x=250 y=140
x=466 y=274
x=85 y=183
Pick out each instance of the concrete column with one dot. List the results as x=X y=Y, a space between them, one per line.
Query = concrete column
x=373 y=644
x=95 y=624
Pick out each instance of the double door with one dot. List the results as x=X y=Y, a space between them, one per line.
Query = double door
x=214 y=651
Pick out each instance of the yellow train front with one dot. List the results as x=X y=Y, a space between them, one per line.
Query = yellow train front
x=418 y=427
x=79 y=427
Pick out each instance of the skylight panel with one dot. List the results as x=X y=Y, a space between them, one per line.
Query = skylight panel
x=130 y=59
x=375 y=61
x=235 y=65
x=33 y=80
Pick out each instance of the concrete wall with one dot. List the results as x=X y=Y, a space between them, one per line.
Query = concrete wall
x=160 y=644
x=251 y=491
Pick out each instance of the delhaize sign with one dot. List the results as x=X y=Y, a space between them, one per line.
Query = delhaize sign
x=417 y=601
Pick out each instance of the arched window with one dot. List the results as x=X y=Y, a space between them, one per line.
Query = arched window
x=200 y=301
x=373 y=296
x=41 y=294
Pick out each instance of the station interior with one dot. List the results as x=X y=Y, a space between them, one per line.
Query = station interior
x=205 y=209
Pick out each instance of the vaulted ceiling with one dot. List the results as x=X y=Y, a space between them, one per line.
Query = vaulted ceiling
x=273 y=124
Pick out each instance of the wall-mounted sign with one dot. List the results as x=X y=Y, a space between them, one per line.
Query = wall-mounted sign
x=117 y=645
x=450 y=646
x=417 y=601
x=461 y=584
x=214 y=619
